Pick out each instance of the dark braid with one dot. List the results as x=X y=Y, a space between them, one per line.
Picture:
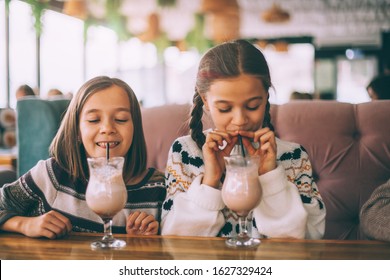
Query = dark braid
x=196 y=125
x=267 y=117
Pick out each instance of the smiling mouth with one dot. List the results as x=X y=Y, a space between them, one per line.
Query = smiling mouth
x=110 y=144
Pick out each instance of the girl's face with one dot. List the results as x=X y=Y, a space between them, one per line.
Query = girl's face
x=237 y=103
x=106 y=120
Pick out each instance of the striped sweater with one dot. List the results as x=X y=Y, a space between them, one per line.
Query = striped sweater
x=291 y=205
x=47 y=187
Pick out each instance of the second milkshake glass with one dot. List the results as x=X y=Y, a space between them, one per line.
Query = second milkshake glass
x=241 y=192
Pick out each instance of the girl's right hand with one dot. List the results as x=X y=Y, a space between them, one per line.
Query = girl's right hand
x=51 y=225
x=213 y=155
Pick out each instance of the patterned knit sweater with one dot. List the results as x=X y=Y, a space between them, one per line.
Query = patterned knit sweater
x=291 y=205
x=47 y=187
x=375 y=214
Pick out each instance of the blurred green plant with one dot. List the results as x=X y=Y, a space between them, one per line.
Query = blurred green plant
x=196 y=37
x=38 y=7
x=116 y=20
x=166 y=3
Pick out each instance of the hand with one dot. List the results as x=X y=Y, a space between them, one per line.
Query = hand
x=214 y=164
x=51 y=225
x=267 y=147
x=140 y=223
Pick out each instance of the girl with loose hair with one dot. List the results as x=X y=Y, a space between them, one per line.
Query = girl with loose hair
x=233 y=85
x=49 y=200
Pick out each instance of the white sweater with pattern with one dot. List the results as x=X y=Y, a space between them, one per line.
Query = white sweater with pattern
x=291 y=205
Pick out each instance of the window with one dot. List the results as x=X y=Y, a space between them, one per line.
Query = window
x=22 y=49
x=291 y=70
x=61 y=53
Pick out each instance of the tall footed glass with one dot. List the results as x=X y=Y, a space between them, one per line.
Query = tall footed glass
x=106 y=195
x=241 y=192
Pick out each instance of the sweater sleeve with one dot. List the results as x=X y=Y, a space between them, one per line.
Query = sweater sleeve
x=15 y=200
x=375 y=213
x=190 y=208
x=299 y=175
x=10 y=204
x=311 y=198
x=280 y=212
x=23 y=197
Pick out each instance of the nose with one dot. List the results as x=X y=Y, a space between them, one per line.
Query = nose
x=239 y=118
x=107 y=127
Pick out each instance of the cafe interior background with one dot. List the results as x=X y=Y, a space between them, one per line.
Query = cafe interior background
x=328 y=48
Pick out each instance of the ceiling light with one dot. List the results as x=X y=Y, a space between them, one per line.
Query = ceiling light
x=275 y=14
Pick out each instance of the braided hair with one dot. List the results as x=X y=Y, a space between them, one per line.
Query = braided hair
x=196 y=125
x=227 y=60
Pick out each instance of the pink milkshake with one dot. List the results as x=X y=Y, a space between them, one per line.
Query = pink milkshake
x=106 y=192
x=241 y=189
x=107 y=199
x=106 y=195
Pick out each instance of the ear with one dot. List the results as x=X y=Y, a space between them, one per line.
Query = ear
x=206 y=105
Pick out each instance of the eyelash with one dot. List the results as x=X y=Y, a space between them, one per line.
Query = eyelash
x=118 y=120
x=248 y=108
x=253 y=108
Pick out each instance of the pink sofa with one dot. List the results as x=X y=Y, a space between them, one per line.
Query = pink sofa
x=348 y=144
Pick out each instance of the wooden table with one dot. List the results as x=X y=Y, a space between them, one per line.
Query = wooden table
x=77 y=246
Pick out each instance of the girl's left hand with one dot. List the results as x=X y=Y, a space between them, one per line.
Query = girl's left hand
x=140 y=223
x=267 y=147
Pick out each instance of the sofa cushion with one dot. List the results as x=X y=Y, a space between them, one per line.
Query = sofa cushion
x=349 y=148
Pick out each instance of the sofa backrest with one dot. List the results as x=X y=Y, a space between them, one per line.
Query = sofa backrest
x=162 y=125
x=37 y=123
x=348 y=145
x=349 y=148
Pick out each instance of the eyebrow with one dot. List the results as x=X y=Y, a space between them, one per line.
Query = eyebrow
x=120 y=109
x=247 y=101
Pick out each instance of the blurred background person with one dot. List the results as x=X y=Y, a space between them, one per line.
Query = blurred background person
x=24 y=90
x=300 y=95
x=379 y=88
x=54 y=92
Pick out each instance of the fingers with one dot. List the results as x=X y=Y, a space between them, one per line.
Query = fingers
x=51 y=225
x=267 y=147
x=216 y=139
x=152 y=228
x=58 y=224
x=140 y=223
x=65 y=221
x=265 y=137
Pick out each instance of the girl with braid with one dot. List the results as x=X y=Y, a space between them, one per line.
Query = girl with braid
x=233 y=85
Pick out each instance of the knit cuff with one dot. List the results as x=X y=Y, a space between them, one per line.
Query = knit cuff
x=205 y=196
x=273 y=181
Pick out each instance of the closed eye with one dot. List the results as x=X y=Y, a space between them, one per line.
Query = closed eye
x=225 y=110
x=252 y=108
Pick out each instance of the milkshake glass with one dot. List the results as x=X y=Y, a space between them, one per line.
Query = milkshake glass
x=241 y=193
x=106 y=195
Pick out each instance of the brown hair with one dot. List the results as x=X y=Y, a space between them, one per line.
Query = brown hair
x=27 y=90
x=72 y=157
x=227 y=60
x=381 y=86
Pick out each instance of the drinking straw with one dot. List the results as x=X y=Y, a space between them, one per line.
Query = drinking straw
x=108 y=151
x=241 y=145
